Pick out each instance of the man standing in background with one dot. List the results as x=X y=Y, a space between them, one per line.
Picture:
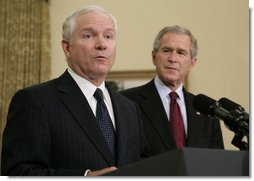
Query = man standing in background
x=170 y=120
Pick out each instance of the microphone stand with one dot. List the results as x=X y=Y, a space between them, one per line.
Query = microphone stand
x=238 y=142
x=240 y=125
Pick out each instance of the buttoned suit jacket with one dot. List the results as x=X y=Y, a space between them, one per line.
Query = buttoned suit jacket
x=202 y=131
x=51 y=130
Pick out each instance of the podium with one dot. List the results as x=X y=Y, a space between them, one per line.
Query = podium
x=189 y=162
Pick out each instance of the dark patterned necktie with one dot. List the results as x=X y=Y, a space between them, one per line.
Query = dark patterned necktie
x=105 y=122
x=176 y=121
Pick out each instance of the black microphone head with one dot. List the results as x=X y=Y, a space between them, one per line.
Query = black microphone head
x=230 y=105
x=204 y=104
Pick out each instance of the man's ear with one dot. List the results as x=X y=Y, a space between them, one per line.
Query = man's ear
x=193 y=63
x=153 y=56
x=66 y=48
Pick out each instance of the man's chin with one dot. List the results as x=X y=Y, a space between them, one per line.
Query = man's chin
x=170 y=80
x=102 y=73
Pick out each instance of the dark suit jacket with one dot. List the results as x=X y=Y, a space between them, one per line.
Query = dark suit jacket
x=202 y=132
x=51 y=130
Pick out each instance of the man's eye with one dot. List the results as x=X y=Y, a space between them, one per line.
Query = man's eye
x=109 y=36
x=181 y=52
x=165 y=50
x=87 y=36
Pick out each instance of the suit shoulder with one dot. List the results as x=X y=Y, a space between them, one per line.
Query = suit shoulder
x=41 y=86
x=132 y=90
x=121 y=97
x=37 y=90
x=133 y=94
x=188 y=94
x=136 y=90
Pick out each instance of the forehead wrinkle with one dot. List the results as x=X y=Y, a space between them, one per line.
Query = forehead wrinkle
x=95 y=18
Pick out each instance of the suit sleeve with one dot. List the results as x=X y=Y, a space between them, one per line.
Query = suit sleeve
x=26 y=139
x=217 y=138
x=144 y=146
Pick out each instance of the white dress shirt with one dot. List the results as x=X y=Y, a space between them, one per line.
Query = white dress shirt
x=164 y=91
x=88 y=90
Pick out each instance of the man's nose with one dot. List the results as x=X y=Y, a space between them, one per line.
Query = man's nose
x=101 y=43
x=173 y=57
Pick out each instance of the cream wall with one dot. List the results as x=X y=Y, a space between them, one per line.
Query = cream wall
x=221 y=27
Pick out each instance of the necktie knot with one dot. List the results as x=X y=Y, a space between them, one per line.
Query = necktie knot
x=173 y=96
x=98 y=94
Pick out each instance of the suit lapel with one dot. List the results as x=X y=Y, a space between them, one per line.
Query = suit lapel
x=153 y=107
x=195 y=121
x=75 y=101
x=120 y=122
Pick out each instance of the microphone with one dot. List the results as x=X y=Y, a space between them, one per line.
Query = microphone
x=231 y=106
x=211 y=108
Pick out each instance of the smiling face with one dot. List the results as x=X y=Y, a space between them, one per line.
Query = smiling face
x=173 y=59
x=92 y=50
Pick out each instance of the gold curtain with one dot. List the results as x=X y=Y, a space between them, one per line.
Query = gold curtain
x=24 y=48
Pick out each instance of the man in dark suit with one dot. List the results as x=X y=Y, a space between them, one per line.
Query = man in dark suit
x=53 y=128
x=174 y=55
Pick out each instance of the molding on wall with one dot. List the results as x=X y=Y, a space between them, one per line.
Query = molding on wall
x=133 y=74
x=136 y=75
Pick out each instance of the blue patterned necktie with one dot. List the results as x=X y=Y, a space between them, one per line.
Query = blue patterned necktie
x=105 y=122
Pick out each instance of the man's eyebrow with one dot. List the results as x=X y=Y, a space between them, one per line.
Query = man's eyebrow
x=182 y=49
x=166 y=47
x=86 y=29
x=92 y=29
x=177 y=49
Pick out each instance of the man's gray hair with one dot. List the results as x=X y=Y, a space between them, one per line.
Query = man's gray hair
x=177 y=30
x=69 y=23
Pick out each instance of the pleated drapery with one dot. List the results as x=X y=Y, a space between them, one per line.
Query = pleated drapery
x=24 y=48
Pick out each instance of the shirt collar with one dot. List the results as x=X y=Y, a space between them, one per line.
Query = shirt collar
x=164 y=90
x=87 y=87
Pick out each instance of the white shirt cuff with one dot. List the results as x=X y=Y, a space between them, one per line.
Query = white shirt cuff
x=87 y=171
